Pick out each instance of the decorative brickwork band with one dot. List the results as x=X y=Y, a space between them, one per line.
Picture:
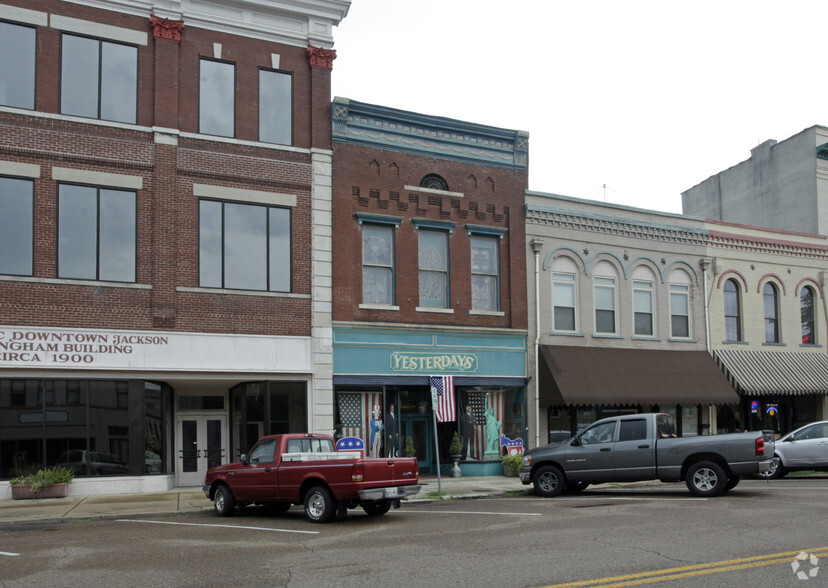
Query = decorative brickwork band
x=163 y=28
x=321 y=58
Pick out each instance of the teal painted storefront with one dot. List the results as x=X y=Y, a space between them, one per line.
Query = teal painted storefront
x=375 y=366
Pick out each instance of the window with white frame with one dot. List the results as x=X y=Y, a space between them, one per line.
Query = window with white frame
x=217 y=98
x=17 y=65
x=563 y=302
x=244 y=246
x=771 y=306
x=643 y=307
x=97 y=233
x=679 y=304
x=807 y=312
x=604 y=294
x=98 y=79
x=377 y=264
x=16 y=226
x=275 y=107
x=732 y=312
x=485 y=273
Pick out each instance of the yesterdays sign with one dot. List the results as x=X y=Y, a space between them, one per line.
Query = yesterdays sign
x=33 y=347
x=413 y=362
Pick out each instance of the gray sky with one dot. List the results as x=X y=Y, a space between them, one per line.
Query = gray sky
x=646 y=97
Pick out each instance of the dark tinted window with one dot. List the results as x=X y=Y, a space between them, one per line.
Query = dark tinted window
x=633 y=430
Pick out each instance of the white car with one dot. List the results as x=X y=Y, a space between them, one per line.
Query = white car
x=804 y=449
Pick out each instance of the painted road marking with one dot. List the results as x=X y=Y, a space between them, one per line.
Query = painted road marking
x=695 y=570
x=216 y=525
x=507 y=514
x=8 y=553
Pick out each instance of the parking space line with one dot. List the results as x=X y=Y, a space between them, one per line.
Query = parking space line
x=9 y=553
x=506 y=514
x=216 y=525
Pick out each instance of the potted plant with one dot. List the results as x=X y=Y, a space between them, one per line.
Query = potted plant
x=409 y=447
x=46 y=483
x=456 y=448
x=511 y=464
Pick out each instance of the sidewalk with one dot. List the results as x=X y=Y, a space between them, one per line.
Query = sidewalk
x=183 y=500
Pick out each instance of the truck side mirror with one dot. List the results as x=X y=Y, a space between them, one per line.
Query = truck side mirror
x=244 y=459
x=576 y=441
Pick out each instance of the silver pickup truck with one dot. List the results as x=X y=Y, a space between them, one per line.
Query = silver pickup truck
x=645 y=447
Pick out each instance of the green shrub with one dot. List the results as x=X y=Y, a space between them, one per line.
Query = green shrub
x=45 y=478
x=513 y=462
x=409 y=447
x=456 y=448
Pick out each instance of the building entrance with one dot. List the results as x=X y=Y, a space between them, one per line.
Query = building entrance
x=201 y=442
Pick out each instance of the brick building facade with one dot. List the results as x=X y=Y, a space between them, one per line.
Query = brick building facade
x=430 y=279
x=165 y=199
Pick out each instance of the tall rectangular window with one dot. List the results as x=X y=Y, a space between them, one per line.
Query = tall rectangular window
x=96 y=233
x=275 y=107
x=244 y=246
x=377 y=264
x=679 y=311
x=16 y=226
x=217 y=98
x=433 y=268
x=563 y=302
x=17 y=65
x=485 y=273
x=604 y=305
x=99 y=79
x=643 y=307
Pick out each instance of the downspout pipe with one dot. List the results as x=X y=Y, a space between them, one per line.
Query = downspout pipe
x=537 y=246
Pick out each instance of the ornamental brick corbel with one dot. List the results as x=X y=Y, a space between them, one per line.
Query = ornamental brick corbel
x=321 y=58
x=164 y=28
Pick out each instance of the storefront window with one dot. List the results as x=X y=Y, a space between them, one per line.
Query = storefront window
x=493 y=411
x=266 y=408
x=83 y=425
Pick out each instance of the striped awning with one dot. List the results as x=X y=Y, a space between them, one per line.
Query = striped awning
x=775 y=372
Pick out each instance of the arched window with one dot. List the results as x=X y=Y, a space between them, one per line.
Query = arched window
x=732 y=312
x=604 y=281
x=434 y=182
x=770 y=297
x=643 y=311
x=806 y=309
x=679 y=304
x=564 y=295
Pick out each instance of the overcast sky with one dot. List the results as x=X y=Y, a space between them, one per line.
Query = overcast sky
x=630 y=102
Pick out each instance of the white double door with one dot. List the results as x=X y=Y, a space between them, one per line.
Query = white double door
x=201 y=443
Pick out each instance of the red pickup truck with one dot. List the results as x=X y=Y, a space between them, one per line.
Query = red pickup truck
x=306 y=469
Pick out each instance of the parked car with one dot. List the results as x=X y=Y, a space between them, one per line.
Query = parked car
x=803 y=449
x=637 y=447
x=92 y=463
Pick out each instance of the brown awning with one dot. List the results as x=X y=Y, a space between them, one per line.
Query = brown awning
x=776 y=372
x=602 y=376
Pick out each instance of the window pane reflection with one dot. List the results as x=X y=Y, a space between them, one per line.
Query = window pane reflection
x=16 y=226
x=119 y=82
x=17 y=65
x=275 y=107
x=216 y=105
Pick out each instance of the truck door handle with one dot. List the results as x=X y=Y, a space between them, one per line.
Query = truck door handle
x=643 y=446
x=267 y=469
x=390 y=463
x=606 y=449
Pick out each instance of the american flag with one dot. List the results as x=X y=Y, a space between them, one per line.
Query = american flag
x=355 y=414
x=446 y=408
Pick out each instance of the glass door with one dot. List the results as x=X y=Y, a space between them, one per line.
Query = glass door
x=202 y=444
x=421 y=431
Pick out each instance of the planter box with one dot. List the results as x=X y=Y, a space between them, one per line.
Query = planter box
x=23 y=491
x=509 y=472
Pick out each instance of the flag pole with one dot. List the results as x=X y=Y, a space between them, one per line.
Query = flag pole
x=437 y=451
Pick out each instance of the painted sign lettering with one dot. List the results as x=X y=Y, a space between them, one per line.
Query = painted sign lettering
x=433 y=363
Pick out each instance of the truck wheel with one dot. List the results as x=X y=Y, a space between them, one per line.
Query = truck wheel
x=223 y=501
x=320 y=506
x=377 y=509
x=706 y=478
x=549 y=481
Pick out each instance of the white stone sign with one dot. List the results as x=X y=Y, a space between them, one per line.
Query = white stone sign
x=37 y=347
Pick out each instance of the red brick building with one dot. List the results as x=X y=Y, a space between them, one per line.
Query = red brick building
x=429 y=279
x=165 y=209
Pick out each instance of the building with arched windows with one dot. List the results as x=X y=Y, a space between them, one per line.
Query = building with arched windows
x=617 y=313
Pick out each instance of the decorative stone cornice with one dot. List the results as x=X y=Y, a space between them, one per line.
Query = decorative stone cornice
x=164 y=28
x=321 y=58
